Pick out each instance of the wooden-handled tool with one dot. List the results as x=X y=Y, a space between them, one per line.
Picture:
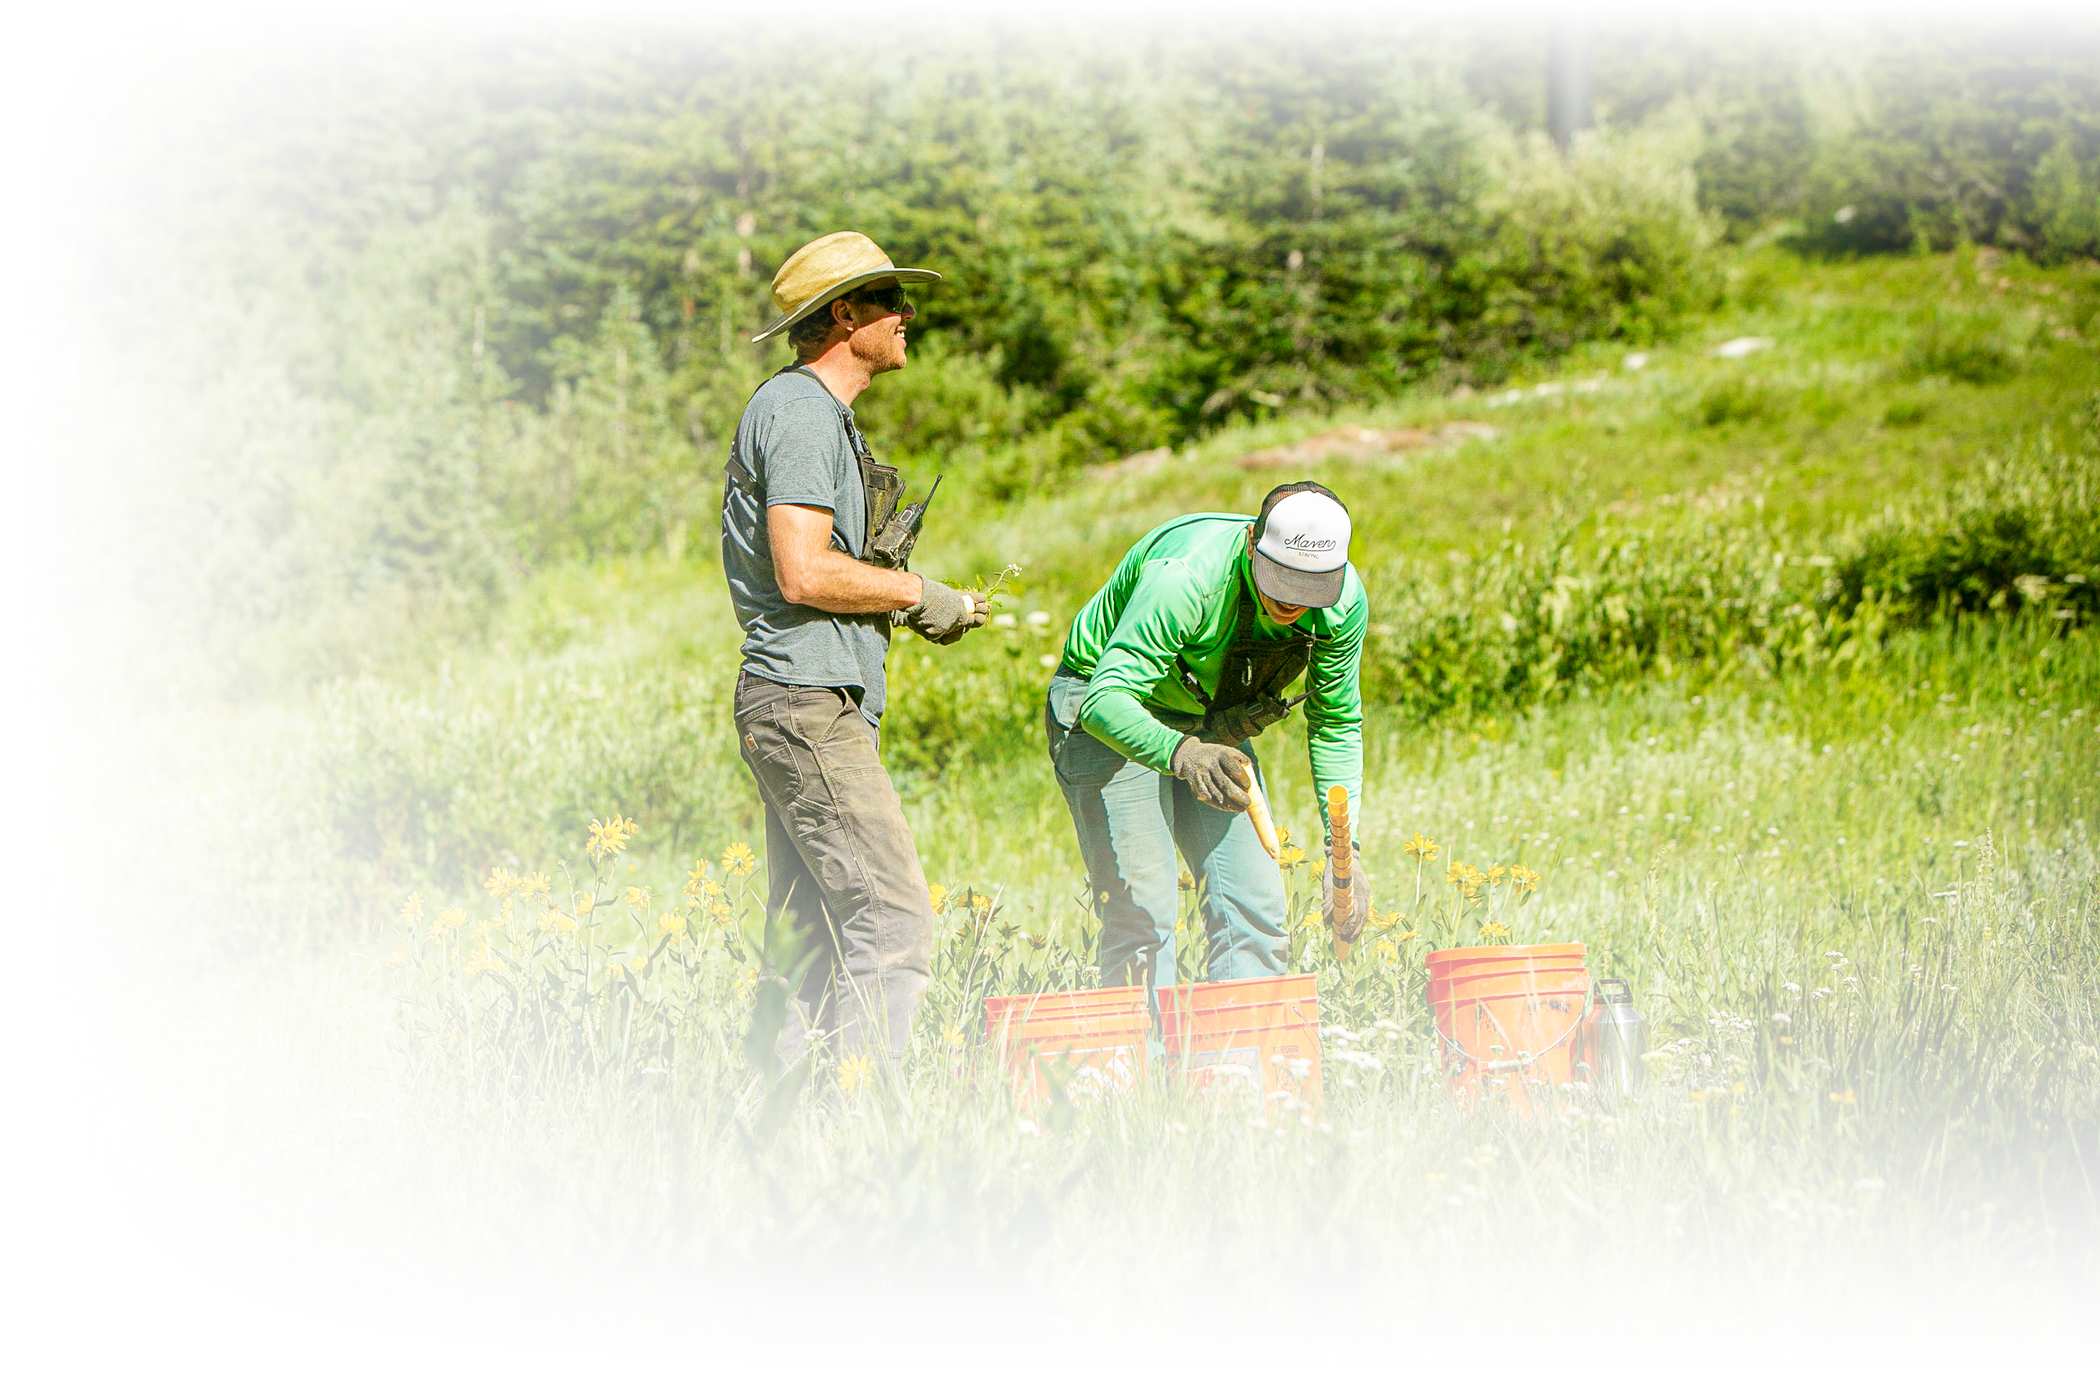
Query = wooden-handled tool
x=1339 y=858
x=1258 y=813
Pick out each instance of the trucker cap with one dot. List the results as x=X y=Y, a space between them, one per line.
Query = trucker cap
x=1301 y=546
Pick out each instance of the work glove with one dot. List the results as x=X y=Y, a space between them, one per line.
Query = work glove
x=1350 y=929
x=1243 y=722
x=1221 y=777
x=943 y=613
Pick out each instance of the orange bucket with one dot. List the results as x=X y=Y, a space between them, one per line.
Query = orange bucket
x=1444 y=964
x=1255 y=1033
x=1509 y=1019
x=1096 y=1038
x=1496 y=984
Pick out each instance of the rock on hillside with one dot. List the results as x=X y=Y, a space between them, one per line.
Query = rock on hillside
x=1358 y=444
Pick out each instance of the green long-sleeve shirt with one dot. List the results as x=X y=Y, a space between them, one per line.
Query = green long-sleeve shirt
x=1176 y=593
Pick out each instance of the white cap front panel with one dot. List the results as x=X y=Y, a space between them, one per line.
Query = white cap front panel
x=1306 y=532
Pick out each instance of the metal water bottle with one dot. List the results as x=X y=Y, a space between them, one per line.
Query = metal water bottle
x=1618 y=1039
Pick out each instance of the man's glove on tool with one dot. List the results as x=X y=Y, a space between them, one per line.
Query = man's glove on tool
x=944 y=613
x=1243 y=722
x=1221 y=777
x=1359 y=897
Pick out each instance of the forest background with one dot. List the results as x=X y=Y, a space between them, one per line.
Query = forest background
x=416 y=322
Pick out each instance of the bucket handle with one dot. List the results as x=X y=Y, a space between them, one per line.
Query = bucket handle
x=1525 y=1058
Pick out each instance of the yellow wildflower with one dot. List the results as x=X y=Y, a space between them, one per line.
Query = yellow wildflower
x=1290 y=856
x=695 y=878
x=1381 y=922
x=1387 y=950
x=746 y=979
x=737 y=858
x=450 y=919
x=937 y=893
x=670 y=925
x=637 y=897
x=720 y=911
x=1283 y=836
x=1183 y=881
x=610 y=836
x=585 y=902
x=1523 y=879
x=854 y=1071
x=500 y=883
x=1318 y=869
x=411 y=909
x=1844 y=1096
x=1470 y=879
x=552 y=920
x=981 y=905
x=1495 y=874
x=1494 y=929
x=1420 y=847
x=481 y=959
x=952 y=1035
x=534 y=883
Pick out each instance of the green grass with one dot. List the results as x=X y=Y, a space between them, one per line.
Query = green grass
x=1854 y=887
x=1860 y=914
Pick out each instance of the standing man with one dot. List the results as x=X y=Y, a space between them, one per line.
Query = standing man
x=814 y=547
x=1181 y=658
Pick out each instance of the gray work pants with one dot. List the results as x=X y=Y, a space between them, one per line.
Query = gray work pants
x=846 y=901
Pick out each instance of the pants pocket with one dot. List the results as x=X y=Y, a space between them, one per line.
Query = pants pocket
x=1079 y=759
x=831 y=727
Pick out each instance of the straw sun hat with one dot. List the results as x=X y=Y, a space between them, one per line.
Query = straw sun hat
x=836 y=263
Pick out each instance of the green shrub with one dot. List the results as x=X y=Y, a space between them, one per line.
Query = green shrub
x=2067 y=201
x=1757 y=142
x=605 y=468
x=1736 y=401
x=1608 y=244
x=1520 y=625
x=2012 y=541
x=1966 y=350
x=1991 y=137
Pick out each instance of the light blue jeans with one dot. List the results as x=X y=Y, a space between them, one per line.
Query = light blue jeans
x=1131 y=821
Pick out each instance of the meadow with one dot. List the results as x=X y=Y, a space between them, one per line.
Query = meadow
x=1766 y=675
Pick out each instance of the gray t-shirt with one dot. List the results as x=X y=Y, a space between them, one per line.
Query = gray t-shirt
x=793 y=443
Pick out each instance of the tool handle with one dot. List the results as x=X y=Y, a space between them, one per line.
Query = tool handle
x=1258 y=813
x=1339 y=863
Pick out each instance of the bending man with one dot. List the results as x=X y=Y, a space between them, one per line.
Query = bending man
x=1183 y=656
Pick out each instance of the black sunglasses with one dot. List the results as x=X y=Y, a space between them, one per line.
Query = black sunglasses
x=890 y=299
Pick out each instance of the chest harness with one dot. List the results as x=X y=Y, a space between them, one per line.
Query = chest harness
x=1255 y=668
x=889 y=533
